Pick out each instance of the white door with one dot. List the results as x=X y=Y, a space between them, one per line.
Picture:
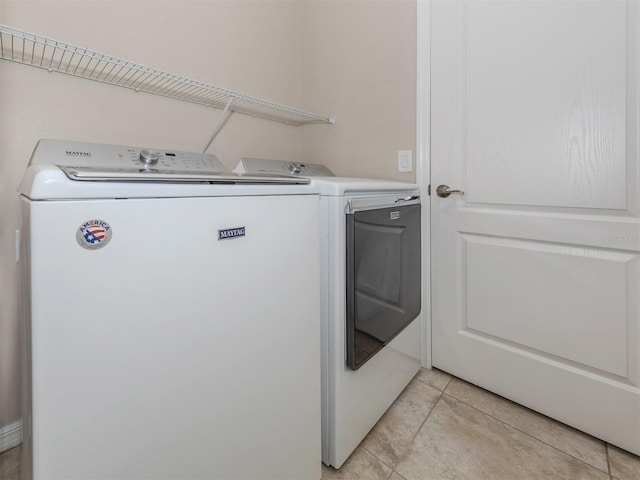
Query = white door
x=536 y=269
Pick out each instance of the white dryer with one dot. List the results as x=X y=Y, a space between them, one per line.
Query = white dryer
x=171 y=318
x=370 y=297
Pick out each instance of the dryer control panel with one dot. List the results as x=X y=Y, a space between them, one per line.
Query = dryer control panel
x=264 y=166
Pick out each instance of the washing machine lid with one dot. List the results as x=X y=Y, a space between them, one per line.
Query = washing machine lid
x=68 y=169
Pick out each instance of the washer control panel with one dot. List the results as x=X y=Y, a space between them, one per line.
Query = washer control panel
x=98 y=157
x=263 y=166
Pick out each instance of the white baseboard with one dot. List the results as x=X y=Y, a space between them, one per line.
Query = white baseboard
x=10 y=436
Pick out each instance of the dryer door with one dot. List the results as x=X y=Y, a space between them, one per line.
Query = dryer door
x=383 y=274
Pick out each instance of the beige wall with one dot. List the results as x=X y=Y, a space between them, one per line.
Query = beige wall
x=359 y=63
x=353 y=59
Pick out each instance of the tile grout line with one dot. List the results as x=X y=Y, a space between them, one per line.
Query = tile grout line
x=377 y=458
x=430 y=411
x=393 y=470
x=403 y=478
x=606 y=450
x=529 y=435
x=435 y=404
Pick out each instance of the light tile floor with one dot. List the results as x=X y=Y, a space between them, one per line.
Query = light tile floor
x=444 y=428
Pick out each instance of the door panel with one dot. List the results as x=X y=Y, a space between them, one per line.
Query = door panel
x=543 y=308
x=535 y=271
x=556 y=98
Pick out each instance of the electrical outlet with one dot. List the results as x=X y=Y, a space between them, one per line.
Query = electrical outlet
x=404 y=161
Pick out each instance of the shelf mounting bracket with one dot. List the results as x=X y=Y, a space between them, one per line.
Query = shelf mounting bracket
x=223 y=117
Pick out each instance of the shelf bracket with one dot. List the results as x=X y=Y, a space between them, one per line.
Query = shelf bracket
x=223 y=117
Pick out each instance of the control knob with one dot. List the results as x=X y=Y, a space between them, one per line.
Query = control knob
x=293 y=168
x=149 y=157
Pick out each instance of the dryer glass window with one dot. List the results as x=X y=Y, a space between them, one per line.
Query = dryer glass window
x=383 y=278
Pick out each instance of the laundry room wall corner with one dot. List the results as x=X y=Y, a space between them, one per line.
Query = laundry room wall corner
x=10 y=414
x=250 y=47
x=359 y=63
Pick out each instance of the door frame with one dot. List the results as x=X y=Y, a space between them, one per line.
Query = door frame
x=423 y=161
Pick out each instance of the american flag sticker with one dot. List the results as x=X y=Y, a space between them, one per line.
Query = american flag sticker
x=93 y=234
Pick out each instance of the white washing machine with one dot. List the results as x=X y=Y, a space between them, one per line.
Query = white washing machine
x=171 y=318
x=370 y=298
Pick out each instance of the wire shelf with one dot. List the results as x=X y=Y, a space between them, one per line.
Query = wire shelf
x=57 y=56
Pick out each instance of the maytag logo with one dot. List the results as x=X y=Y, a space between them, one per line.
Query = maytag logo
x=69 y=153
x=231 y=233
x=394 y=215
